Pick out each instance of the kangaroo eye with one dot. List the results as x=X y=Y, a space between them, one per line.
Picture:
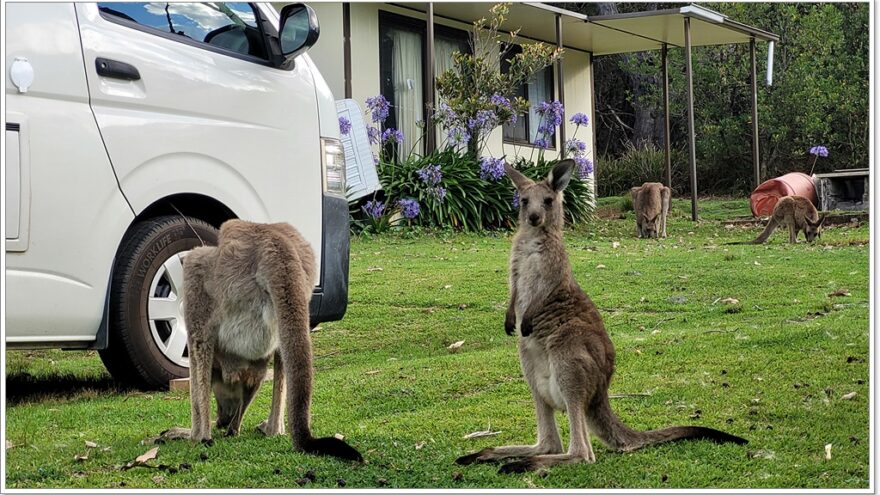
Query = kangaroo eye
x=525 y=201
x=548 y=201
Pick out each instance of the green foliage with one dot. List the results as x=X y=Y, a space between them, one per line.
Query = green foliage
x=819 y=96
x=471 y=203
x=638 y=164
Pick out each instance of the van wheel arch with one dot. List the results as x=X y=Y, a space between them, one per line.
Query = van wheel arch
x=130 y=358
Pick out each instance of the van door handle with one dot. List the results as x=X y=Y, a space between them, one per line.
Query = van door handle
x=116 y=69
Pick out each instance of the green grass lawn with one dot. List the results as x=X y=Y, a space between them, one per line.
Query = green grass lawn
x=773 y=369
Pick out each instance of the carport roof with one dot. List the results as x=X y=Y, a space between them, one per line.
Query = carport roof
x=610 y=34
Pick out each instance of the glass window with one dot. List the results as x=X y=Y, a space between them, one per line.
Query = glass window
x=400 y=65
x=537 y=89
x=228 y=26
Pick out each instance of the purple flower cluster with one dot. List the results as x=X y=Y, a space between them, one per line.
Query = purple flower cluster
x=485 y=120
x=392 y=134
x=409 y=208
x=373 y=209
x=378 y=107
x=344 y=126
x=585 y=166
x=373 y=134
x=444 y=113
x=551 y=116
x=500 y=100
x=438 y=192
x=491 y=169
x=575 y=146
x=819 y=151
x=580 y=119
x=430 y=175
x=516 y=199
x=458 y=135
x=542 y=142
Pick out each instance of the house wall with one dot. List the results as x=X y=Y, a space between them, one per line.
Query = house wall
x=328 y=56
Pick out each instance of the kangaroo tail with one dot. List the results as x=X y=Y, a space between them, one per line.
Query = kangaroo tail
x=332 y=446
x=607 y=426
x=771 y=226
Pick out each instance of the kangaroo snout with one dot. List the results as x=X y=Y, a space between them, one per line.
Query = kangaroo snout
x=535 y=219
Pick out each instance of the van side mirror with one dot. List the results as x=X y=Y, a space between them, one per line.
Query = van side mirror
x=298 y=30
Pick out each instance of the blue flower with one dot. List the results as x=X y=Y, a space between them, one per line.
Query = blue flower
x=516 y=199
x=575 y=146
x=551 y=113
x=378 y=107
x=392 y=134
x=445 y=114
x=430 y=175
x=458 y=135
x=500 y=100
x=373 y=209
x=580 y=119
x=344 y=126
x=438 y=192
x=542 y=143
x=375 y=159
x=585 y=166
x=373 y=134
x=409 y=208
x=819 y=151
x=491 y=169
x=485 y=119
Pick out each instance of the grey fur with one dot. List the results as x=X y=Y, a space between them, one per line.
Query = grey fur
x=651 y=204
x=245 y=301
x=799 y=214
x=566 y=355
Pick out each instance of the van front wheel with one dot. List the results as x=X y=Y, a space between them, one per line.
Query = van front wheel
x=147 y=334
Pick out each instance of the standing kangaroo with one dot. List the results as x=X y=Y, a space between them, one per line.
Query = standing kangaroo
x=799 y=214
x=246 y=300
x=651 y=203
x=566 y=356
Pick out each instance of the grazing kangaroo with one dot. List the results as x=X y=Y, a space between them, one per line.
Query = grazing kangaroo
x=651 y=203
x=245 y=300
x=799 y=214
x=566 y=356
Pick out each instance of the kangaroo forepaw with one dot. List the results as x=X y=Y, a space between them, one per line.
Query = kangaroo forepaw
x=522 y=466
x=525 y=327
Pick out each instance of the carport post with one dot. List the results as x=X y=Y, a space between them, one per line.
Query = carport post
x=692 y=141
x=430 y=134
x=666 y=137
x=756 y=163
x=560 y=87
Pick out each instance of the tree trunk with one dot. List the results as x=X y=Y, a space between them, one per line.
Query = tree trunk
x=646 y=124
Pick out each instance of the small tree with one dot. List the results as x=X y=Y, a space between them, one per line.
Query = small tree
x=475 y=96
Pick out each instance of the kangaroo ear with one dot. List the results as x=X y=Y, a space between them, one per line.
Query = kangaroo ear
x=519 y=180
x=558 y=178
x=821 y=220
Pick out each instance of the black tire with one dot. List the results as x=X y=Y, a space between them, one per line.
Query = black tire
x=132 y=355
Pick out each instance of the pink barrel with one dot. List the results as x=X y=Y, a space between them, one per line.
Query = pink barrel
x=765 y=196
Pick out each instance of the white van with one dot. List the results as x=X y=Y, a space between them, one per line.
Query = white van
x=133 y=130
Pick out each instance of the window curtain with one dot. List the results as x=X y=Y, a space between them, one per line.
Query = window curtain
x=443 y=50
x=406 y=66
x=538 y=92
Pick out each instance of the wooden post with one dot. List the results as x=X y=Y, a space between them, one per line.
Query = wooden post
x=692 y=140
x=667 y=138
x=756 y=162
x=430 y=134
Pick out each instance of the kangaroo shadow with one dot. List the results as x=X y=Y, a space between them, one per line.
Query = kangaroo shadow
x=25 y=387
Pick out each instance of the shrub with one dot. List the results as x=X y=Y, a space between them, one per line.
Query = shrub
x=638 y=164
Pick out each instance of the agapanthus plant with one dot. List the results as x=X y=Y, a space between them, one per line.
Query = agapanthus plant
x=817 y=151
x=491 y=169
x=344 y=126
